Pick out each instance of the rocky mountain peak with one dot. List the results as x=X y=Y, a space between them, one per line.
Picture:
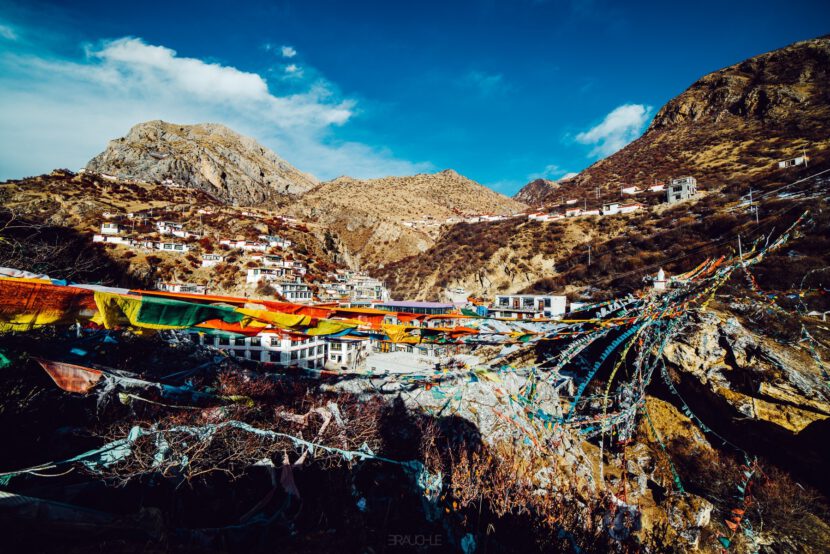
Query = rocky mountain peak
x=206 y=156
x=727 y=126
x=535 y=191
x=763 y=89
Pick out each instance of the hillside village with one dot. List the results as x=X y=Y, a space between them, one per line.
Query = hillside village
x=206 y=349
x=683 y=188
x=259 y=262
x=270 y=267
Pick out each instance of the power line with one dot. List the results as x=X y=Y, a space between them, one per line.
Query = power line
x=768 y=193
x=713 y=242
x=709 y=244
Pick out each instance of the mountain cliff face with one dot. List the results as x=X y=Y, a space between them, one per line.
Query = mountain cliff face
x=535 y=192
x=383 y=220
x=209 y=157
x=730 y=125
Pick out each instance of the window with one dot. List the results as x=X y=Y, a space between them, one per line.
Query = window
x=255 y=341
x=547 y=302
x=224 y=341
x=275 y=341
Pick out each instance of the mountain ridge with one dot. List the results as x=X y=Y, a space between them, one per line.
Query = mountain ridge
x=384 y=219
x=730 y=124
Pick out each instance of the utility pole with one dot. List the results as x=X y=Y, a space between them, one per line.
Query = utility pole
x=740 y=249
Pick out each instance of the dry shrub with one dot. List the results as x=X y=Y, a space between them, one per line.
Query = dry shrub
x=777 y=503
x=783 y=505
x=504 y=480
x=235 y=383
x=291 y=408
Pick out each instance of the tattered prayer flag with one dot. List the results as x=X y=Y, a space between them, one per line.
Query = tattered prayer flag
x=287 y=477
x=71 y=377
x=725 y=542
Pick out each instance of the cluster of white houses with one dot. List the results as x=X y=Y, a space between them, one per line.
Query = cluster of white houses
x=175 y=229
x=264 y=243
x=285 y=275
x=677 y=190
x=110 y=233
x=354 y=287
x=274 y=347
x=430 y=221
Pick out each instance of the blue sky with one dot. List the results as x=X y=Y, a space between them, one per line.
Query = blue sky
x=501 y=91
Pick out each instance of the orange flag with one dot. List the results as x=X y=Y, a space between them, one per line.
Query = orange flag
x=71 y=377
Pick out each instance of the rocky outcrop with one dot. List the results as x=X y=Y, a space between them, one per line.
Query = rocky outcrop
x=757 y=377
x=535 y=192
x=765 y=397
x=209 y=157
x=766 y=89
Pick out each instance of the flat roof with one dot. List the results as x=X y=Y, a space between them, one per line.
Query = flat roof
x=530 y=295
x=415 y=304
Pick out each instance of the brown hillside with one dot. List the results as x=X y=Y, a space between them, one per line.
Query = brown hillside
x=72 y=205
x=383 y=220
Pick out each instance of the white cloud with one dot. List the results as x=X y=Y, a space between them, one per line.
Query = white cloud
x=294 y=70
x=624 y=124
x=7 y=32
x=59 y=112
x=288 y=52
